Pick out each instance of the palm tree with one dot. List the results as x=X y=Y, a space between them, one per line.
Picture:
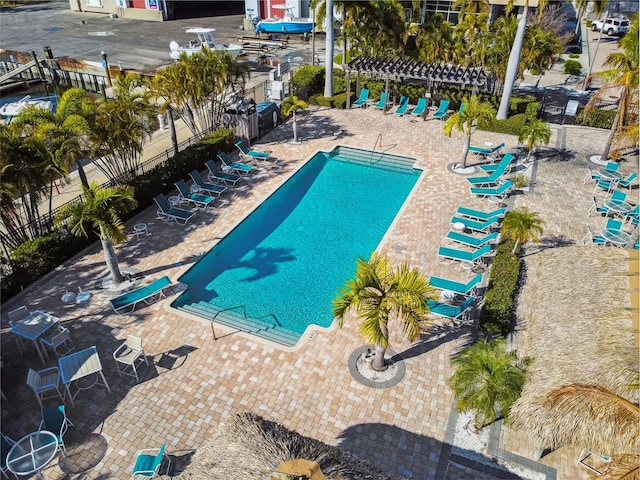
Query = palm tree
x=533 y=134
x=102 y=208
x=328 y=77
x=120 y=127
x=435 y=40
x=465 y=121
x=514 y=57
x=487 y=379
x=622 y=78
x=541 y=48
x=292 y=105
x=380 y=292
x=522 y=225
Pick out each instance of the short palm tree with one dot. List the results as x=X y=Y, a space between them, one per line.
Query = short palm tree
x=380 y=292
x=102 y=208
x=292 y=105
x=487 y=378
x=466 y=119
x=522 y=225
x=534 y=134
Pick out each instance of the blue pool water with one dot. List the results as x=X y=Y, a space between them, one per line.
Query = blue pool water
x=283 y=264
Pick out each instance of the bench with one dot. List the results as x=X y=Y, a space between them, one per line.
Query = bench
x=151 y=292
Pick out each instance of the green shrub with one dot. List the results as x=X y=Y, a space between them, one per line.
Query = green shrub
x=310 y=77
x=572 y=67
x=574 y=55
x=531 y=112
x=510 y=126
x=337 y=101
x=496 y=316
x=588 y=23
x=596 y=118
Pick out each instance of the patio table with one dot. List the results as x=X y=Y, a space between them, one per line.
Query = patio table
x=612 y=175
x=32 y=453
x=79 y=365
x=33 y=326
x=615 y=237
x=618 y=206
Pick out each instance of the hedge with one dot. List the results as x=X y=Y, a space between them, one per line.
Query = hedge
x=35 y=258
x=497 y=312
x=596 y=118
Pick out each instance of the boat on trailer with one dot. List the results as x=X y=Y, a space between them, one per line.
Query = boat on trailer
x=204 y=40
x=287 y=25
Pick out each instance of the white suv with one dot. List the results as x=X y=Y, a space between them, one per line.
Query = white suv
x=613 y=26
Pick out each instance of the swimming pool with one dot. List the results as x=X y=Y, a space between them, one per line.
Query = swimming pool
x=277 y=272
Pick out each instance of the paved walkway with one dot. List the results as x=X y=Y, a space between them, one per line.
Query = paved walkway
x=196 y=381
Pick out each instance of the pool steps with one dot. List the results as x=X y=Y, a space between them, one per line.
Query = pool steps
x=377 y=158
x=236 y=319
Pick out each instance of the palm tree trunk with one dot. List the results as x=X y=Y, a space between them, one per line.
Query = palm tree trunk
x=614 y=128
x=512 y=67
x=465 y=151
x=515 y=246
x=172 y=129
x=378 y=362
x=111 y=259
x=295 y=128
x=82 y=174
x=328 y=79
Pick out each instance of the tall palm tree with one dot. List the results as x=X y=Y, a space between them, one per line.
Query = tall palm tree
x=465 y=121
x=622 y=79
x=522 y=225
x=534 y=133
x=102 y=208
x=120 y=127
x=487 y=379
x=378 y=293
x=435 y=40
x=328 y=77
x=514 y=56
x=292 y=105
x=541 y=49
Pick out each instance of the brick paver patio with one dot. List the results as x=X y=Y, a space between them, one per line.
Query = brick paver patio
x=196 y=381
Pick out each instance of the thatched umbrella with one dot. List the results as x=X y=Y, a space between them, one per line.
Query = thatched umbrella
x=576 y=308
x=246 y=446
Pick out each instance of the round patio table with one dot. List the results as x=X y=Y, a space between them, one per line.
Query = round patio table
x=618 y=206
x=32 y=453
x=610 y=174
x=616 y=237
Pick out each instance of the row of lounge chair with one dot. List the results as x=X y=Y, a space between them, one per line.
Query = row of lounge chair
x=478 y=248
x=219 y=180
x=404 y=108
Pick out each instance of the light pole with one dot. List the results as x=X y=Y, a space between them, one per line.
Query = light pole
x=105 y=64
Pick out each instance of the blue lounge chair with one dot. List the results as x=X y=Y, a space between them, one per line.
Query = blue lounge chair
x=228 y=164
x=479 y=214
x=149 y=461
x=626 y=182
x=165 y=210
x=470 y=240
x=456 y=287
x=503 y=164
x=450 y=255
x=362 y=99
x=442 y=111
x=486 y=151
x=218 y=175
x=421 y=107
x=382 y=103
x=501 y=191
x=197 y=199
x=475 y=225
x=249 y=154
x=147 y=294
x=210 y=188
x=487 y=179
x=402 y=106
x=453 y=312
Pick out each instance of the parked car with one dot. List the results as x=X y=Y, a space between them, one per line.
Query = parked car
x=612 y=26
